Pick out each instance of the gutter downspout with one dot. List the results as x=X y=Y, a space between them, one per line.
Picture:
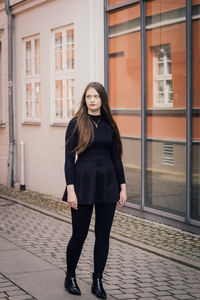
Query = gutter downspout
x=10 y=93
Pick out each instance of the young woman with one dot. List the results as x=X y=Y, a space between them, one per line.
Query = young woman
x=95 y=178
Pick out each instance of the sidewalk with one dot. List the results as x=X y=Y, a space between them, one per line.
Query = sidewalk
x=34 y=230
x=163 y=240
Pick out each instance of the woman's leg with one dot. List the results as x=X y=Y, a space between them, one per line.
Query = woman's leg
x=80 y=225
x=104 y=218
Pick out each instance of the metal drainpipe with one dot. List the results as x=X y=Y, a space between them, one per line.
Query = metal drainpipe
x=10 y=93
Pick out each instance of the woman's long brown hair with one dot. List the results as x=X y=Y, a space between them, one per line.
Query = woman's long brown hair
x=84 y=123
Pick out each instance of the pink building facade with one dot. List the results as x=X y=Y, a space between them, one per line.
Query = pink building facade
x=58 y=48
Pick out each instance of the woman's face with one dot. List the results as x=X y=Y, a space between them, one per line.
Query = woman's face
x=93 y=101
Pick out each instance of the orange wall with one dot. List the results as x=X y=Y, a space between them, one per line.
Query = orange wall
x=129 y=125
x=124 y=15
x=125 y=71
x=196 y=63
x=175 y=36
x=154 y=7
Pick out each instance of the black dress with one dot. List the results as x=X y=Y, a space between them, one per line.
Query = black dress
x=98 y=171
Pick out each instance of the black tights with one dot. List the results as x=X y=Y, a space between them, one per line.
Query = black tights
x=80 y=224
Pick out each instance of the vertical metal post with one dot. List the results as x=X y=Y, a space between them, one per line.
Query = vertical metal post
x=10 y=96
x=188 y=108
x=22 y=179
x=143 y=104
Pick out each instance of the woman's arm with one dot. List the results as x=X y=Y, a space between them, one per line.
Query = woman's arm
x=70 y=162
x=117 y=162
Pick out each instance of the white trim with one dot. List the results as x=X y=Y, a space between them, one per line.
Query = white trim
x=161 y=77
x=135 y=29
x=166 y=23
x=30 y=79
x=63 y=75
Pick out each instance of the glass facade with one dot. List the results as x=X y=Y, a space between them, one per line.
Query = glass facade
x=195 y=209
x=125 y=89
x=148 y=88
x=166 y=105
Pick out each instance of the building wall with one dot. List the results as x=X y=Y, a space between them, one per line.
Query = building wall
x=44 y=142
x=4 y=122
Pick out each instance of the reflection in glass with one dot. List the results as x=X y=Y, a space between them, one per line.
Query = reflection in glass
x=70 y=48
x=166 y=105
x=58 y=51
x=195 y=207
x=70 y=106
x=28 y=58
x=37 y=56
x=125 y=89
x=59 y=98
x=37 y=100
x=113 y=2
x=28 y=100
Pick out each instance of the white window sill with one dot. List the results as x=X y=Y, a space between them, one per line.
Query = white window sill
x=60 y=124
x=2 y=124
x=37 y=123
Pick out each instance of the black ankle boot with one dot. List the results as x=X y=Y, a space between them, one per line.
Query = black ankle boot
x=71 y=284
x=97 y=286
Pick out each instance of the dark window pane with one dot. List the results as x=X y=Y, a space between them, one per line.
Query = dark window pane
x=125 y=89
x=196 y=110
x=166 y=105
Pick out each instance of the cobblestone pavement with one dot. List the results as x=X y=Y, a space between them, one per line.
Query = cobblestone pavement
x=131 y=273
x=9 y=290
x=143 y=232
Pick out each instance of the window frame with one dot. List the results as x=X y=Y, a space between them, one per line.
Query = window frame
x=161 y=77
x=64 y=75
x=32 y=79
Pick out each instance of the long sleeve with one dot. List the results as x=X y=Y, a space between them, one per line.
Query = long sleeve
x=69 y=153
x=117 y=162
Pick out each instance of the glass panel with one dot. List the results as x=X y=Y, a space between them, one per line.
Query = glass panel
x=70 y=48
x=28 y=100
x=166 y=105
x=28 y=58
x=58 y=51
x=37 y=56
x=125 y=90
x=37 y=100
x=70 y=108
x=113 y=2
x=59 y=99
x=195 y=209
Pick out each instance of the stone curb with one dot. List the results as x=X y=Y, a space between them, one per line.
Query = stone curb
x=163 y=253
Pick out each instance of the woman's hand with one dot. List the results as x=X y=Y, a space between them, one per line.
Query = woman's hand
x=123 y=195
x=71 y=197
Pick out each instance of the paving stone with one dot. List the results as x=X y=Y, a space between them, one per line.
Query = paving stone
x=168 y=298
x=151 y=233
x=162 y=293
x=126 y=296
x=130 y=272
x=184 y=297
x=12 y=291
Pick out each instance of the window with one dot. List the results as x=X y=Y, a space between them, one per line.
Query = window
x=63 y=100
x=1 y=85
x=162 y=76
x=32 y=108
x=168 y=154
